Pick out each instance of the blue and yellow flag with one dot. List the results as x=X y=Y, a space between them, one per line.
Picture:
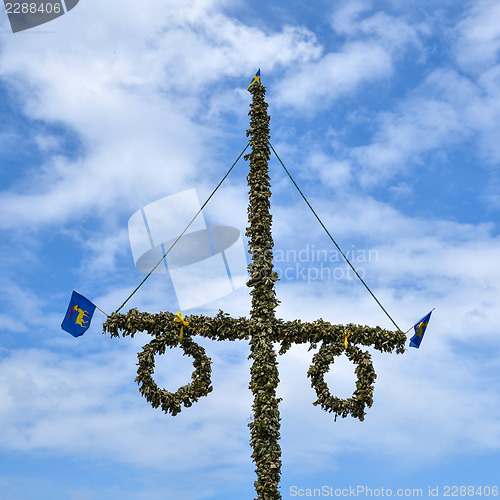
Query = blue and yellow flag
x=255 y=81
x=420 y=328
x=78 y=316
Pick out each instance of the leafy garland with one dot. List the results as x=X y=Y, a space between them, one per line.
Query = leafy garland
x=363 y=395
x=262 y=329
x=222 y=328
x=264 y=376
x=185 y=395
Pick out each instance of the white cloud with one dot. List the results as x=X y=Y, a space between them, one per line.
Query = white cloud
x=320 y=82
x=424 y=409
x=85 y=406
x=24 y=307
x=353 y=19
x=104 y=252
x=375 y=43
x=431 y=120
x=446 y=110
x=111 y=90
x=477 y=42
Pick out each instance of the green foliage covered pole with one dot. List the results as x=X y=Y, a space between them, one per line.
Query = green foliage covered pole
x=261 y=330
x=265 y=426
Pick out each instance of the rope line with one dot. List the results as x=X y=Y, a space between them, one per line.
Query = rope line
x=331 y=237
x=187 y=227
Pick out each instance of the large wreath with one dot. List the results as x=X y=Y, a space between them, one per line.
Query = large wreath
x=363 y=395
x=171 y=402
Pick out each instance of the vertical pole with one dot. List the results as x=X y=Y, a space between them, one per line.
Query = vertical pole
x=265 y=426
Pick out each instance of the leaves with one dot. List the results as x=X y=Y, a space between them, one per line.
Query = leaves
x=262 y=330
x=264 y=429
x=185 y=395
x=363 y=394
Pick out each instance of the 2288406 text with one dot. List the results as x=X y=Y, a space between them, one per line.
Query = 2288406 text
x=470 y=491
x=33 y=8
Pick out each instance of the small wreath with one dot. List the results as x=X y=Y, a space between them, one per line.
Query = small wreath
x=362 y=396
x=171 y=402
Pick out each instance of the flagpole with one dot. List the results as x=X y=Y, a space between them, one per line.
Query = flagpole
x=105 y=314
x=413 y=326
x=97 y=307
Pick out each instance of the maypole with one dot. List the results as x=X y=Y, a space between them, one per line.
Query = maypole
x=265 y=426
x=262 y=330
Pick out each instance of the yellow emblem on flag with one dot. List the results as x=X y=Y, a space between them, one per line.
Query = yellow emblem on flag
x=421 y=328
x=81 y=318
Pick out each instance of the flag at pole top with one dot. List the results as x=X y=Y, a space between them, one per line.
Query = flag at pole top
x=420 y=328
x=255 y=81
x=79 y=315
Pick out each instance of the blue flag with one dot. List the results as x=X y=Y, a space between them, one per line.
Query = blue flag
x=78 y=316
x=255 y=81
x=420 y=328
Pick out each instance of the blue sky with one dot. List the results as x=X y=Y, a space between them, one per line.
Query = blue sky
x=387 y=113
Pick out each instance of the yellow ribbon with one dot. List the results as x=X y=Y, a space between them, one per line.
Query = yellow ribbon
x=180 y=319
x=347 y=334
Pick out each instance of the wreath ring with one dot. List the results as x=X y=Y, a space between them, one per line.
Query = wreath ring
x=363 y=394
x=171 y=402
